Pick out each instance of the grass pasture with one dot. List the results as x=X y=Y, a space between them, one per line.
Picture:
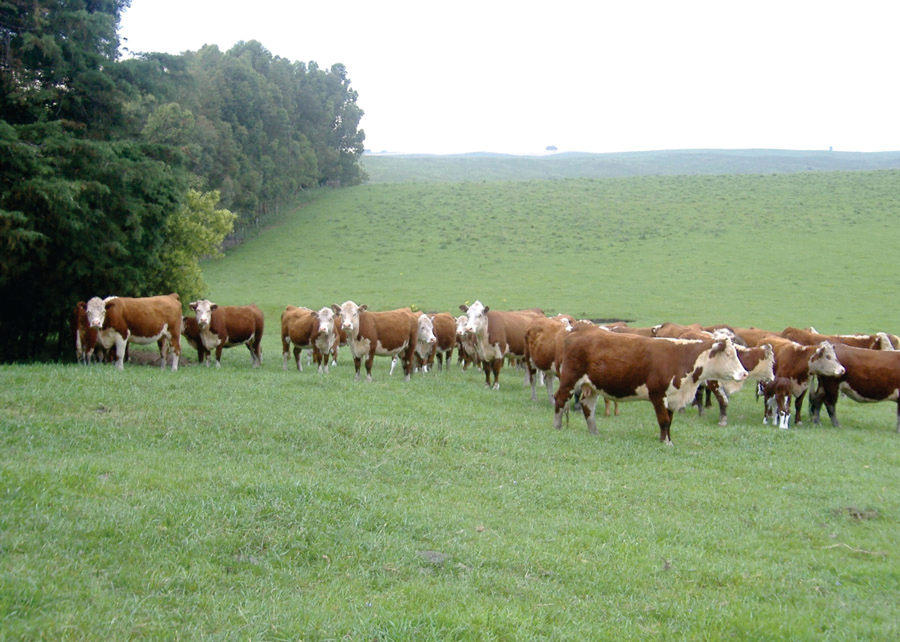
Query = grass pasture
x=242 y=504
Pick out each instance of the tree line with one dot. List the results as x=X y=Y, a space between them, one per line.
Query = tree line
x=117 y=175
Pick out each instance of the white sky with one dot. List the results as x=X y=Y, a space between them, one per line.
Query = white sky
x=586 y=75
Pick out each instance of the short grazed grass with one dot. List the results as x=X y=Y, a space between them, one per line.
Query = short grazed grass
x=270 y=504
x=284 y=505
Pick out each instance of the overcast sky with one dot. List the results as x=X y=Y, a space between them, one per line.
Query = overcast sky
x=591 y=75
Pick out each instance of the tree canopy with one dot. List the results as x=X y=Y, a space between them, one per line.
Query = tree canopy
x=116 y=175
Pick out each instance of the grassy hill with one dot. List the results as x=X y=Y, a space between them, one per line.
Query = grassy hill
x=271 y=504
x=386 y=168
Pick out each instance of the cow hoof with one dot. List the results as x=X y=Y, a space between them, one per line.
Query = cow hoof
x=496 y=386
x=723 y=422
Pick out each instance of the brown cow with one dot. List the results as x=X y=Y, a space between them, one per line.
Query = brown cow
x=154 y=319
x=84 y=335
x=809 y=337
x=869 y=376
x=626 y=367
x=305 y=328
x=798 y=362
x=544 y=341
x=389 y=334
x=497 y=333
x=226 y=326
x=445 y=336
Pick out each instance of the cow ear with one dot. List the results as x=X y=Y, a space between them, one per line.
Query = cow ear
x=487 y=309
x=193 y=305
x=109 y=304
x=364 y=306
x=336 y=308
x=81 y=305
x=464 y=307
x=213 y=306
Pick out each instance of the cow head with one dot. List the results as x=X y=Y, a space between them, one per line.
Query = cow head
x=477 y=319
x=349 y=313
x=461 y=322
x=723 y=363
x=326 y=322
x=764 y=368
x=203 y=310
x=426 y=330
x=96 y=312
x=824 y=361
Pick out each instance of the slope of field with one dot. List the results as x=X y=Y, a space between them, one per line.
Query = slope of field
x=770 y=251
x=386 y=168
x=276 y=505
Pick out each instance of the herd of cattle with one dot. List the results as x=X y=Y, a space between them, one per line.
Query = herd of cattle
x=670 y=365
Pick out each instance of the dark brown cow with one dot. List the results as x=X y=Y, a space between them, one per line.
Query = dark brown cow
x=544 y=341
x=869 y=376
x=226 y=326
x=300 y=326
x=392 y=333
x=626 y=367
x=154 y=319
x=497 y=333
x=445 y=334
x=797 y=362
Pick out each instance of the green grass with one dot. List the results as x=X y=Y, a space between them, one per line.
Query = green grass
x=263 y=504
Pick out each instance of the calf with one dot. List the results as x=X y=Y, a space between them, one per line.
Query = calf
x=777 y=401
x=869 y=376
x=797 y=362
x=496 y=334
x=226 y=326
x=391 y=333
x=624 y=367
x=426 y=342
x=155 y=319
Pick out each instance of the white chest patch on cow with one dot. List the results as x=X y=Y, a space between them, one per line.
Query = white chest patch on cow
x=679 y=397
x=359 y=347
x=210 y=339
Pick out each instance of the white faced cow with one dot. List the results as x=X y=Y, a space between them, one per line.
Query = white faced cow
x=154 y=319
x=387 y=334
x=221 y=326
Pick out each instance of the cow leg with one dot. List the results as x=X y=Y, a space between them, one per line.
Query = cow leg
x=285 y=352
x=589 y=407
x=607 y=404
x=162 y=345
x=219 y=356
x=664 y=419
x=815 y=405
x=548 y=382
x=798 y=405
x=784 y=410
x=486 y=366
x=722 y=398
x=297 y=354
x=121 y=344
x=393 y=365
x=698 y=400
x=369 y=359
x=498 y=364
x=357 y=363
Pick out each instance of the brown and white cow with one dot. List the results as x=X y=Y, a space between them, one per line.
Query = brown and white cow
x=425 y=342
x=869 y=376
x=626 y=367
x=305 y=328
x=445 y=338
x=758 y=361
x=391 y=333
x=777 y=401
x=226 y=326
x=466 y=342
x=798 y=362
x=154 y=319
x=809 y=337
x=496 y=334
